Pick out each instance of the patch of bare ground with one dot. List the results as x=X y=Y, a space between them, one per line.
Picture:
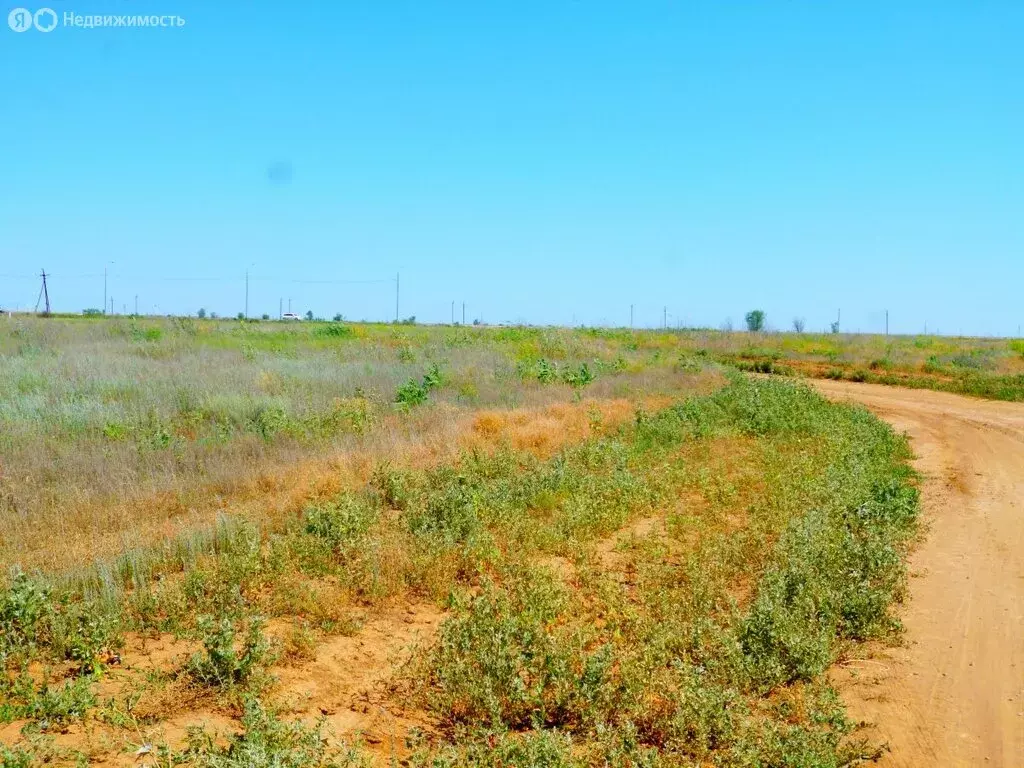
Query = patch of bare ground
x=609 y=552
x=349 y=682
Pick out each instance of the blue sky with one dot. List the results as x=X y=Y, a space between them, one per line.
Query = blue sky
x=546 y=162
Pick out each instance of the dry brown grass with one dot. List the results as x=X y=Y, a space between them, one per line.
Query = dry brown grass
x=109 y=440
x=98 y=529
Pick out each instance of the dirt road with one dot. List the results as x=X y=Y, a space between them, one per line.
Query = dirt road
x=954 y=694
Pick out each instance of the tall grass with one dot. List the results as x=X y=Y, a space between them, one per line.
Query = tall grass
x=113 y=427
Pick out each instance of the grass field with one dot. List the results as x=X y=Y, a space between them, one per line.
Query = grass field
x=980 y=367
x=324 y=544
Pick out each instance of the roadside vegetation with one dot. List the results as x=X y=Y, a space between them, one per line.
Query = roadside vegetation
x=658 y=583
x=979 y=367
x=122 y=431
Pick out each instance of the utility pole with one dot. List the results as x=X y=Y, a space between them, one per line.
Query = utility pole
x=463 y=313
x=664 y=319
x=44 y=294
x=631 y=317
x=887 y=322
x=280 y=308
x=111 y=305
x=453 y=313
x=398 y=279
x=289 y=306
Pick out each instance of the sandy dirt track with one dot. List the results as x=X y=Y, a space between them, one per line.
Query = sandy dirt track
x=953 y=695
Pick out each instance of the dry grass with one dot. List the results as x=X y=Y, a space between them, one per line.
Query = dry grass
x=117 y=433
x=99 y=530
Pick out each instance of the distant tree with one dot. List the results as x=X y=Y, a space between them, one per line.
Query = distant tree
x=477 y=321
x=338 y=317
x=213 y=315
x=240 y=316
x=201 y=313
x=835 y=327
x=265 y=316
x=309 y=314
x=92 y=311
x=755 y=320
x=798 y=324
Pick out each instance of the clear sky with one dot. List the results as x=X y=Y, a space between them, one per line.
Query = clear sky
x=545 y=162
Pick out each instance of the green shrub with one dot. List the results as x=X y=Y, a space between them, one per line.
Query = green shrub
x=498 y=662
x=578 y=377
x=268 y=420
x=415 y=392
x=836 y=576
x=22 y=698
x=25 y=610
x=396 y=487
x=221 y=664
x=114 y=430
x=974 y=360
x=145 y=333
x=83 y=631
x=335 y=330
x=411 y=393
x=546 y=372
x=17 y=756
x=266 y=742
x=342 y=524
x=448 y=509
x=532 y=749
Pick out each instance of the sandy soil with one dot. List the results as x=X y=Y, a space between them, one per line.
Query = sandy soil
x=953 y=694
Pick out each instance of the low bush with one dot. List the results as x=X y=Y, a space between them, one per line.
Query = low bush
x=222 y=664
x=266 y=741
x=415 y=392
x=335 y=330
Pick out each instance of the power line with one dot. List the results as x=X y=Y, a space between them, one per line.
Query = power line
x=167 y=278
